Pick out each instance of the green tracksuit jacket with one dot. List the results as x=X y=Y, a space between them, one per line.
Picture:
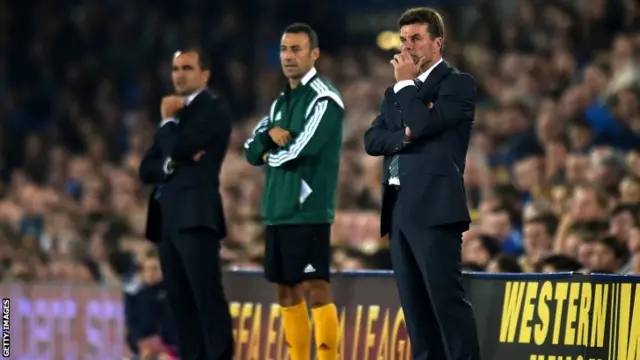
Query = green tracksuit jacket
x=301 y=177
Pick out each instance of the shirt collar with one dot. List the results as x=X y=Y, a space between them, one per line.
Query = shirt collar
x=423 y=77
x=308 y=76
x=193 y=95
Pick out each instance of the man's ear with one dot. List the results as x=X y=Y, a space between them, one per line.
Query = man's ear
x=315 y=54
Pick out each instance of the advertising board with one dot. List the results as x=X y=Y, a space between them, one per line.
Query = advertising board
x=520 y=317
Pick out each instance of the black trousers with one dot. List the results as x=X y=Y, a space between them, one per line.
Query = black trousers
x=190 y=261
x=439 y=317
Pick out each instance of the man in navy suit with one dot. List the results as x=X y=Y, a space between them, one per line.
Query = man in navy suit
x=185 y=213
x=423 y=133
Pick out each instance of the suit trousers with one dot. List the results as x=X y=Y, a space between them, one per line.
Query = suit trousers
x=438 y=315
x=190 y=261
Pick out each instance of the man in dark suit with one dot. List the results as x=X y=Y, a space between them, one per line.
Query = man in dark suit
x=423 y=133
x=185 y=217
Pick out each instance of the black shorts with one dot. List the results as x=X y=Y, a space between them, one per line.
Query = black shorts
x=297 y=253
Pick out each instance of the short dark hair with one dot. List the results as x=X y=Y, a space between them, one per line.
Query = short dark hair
x=615 y=245
x=580 y=122
x=549 y=221
x=562 y=140
x=302 y=28
x=627 y=208
x=560 y=263
x=508 y=263
x=490 y=244
x=424 y=15
x=469 y=266
x=514 y=219
x=203 y=57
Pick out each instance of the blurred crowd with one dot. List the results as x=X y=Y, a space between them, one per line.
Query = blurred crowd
x=553 y=171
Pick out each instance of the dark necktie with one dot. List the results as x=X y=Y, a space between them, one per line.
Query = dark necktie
x=394 y=165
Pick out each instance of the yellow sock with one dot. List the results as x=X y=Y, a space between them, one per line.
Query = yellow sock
x=327 y=328
x=297 y=331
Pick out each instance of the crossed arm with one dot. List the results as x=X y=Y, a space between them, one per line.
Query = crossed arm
x=176 y=145
x=152 y=164
x=207 y=127
x=258 y=143
x=323 y=123
x=454 y=105
x=379 y=140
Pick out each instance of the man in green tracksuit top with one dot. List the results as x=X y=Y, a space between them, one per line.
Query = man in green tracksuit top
x=299 y=144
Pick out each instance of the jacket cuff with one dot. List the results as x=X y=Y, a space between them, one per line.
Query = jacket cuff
x=266 y=140
x=402 y=84
x=165 y=167
x=168 y=121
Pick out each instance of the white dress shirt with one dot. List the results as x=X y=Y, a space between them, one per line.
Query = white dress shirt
x=401 y=85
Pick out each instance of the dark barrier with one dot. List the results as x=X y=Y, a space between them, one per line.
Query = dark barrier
x=554 y=317
x=520 y=317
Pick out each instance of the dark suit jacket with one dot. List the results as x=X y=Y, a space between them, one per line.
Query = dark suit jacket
x=432 y=164
x=190 y=196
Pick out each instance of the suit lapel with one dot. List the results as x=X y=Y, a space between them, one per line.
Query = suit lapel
x=436 y=76
x=203 y=95
x=180 y=115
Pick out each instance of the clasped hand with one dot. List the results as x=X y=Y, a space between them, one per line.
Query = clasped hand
x=279 y=136
x=170 y=105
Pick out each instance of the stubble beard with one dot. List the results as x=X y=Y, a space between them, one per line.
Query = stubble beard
x=298 y=75
x=295 y=77
x=430 y=61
